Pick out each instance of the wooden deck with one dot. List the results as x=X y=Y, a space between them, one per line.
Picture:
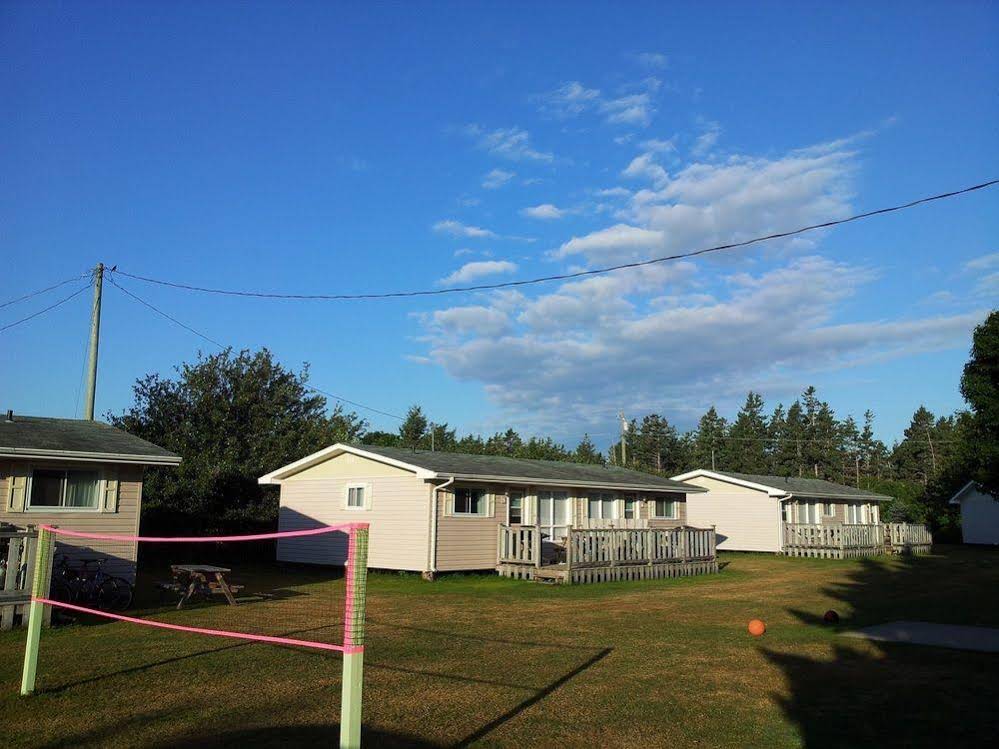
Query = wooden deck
x=604 y=555
x=842 y=541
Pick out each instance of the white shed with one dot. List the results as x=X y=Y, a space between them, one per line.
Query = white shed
x=979 y=515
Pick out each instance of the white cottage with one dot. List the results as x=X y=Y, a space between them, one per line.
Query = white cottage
x=979 y=515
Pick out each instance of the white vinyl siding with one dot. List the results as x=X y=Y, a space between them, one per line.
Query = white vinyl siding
x=979 y=517
x=399 y=519
x=745 y=519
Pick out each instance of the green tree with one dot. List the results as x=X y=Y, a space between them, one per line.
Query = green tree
x=586 y=452
x=232 y=418
x=708 y=441
x=746 y=444
x=980 y=388
x=657 y=447
x=413 y=428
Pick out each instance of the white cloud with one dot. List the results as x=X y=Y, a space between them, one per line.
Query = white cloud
x=545 y=211
x=645 y=167
x=497 y=178
x=569 y=100
x=458 y=229
x=471 y=320
x=635 y=109
x=615 y=242
x=656 y=145
x=604 y=348
x=614 y=192
x=479 y=269
x=985 y=262
x=709 y=137
x=654 y=60
x=573 y=99
x=511 y=143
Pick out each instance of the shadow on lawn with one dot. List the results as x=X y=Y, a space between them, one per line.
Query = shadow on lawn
x=899 y=695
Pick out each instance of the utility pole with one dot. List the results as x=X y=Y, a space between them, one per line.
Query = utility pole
x=95 y=337
x=933 y=454
x=857 y=465
x=712 y=458
x=624 y=440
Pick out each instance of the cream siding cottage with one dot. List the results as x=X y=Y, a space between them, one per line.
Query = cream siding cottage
x=436 y=512
x=749 y=511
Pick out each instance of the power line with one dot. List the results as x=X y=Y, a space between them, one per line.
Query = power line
x=188 y=328
x=43 y=311
x=565 y=276
x=42 y=291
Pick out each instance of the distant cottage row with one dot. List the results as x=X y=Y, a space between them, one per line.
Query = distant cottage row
x=433 y=512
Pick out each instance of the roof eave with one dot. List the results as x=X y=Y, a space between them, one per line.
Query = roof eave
x=569 y=483
x=91 y=457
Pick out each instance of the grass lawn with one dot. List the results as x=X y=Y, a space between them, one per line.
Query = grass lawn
x=485 y=661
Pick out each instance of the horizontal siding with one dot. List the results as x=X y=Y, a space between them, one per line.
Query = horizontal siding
x=979 y=518
x=125 y=522
x=468 y=543
x=398 y=518
x=743 y=521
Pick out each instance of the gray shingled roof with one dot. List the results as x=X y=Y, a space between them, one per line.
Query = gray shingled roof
x=44 y=436
x=498 y=466
x=805 y=487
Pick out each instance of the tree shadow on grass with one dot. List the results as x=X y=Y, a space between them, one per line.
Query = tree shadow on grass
x=887 y=694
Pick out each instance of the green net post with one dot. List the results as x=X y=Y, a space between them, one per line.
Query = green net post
x=356 y=574
x=36 y=610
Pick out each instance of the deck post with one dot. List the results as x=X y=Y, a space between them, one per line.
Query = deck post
x=568 y=556
x=36 y=610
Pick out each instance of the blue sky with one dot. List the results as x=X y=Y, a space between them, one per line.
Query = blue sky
x=320 y=148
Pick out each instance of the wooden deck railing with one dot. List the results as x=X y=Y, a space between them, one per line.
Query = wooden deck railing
x=595 y=524
x=835 y=541
x=908 y=538
x=597 y=555
x=17 y=561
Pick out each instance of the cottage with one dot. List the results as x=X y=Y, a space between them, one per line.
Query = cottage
x=979 y=515
x=757 y=513
x=433 y=512
x=79 y=475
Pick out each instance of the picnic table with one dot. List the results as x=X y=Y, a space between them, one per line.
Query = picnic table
x=202 y=580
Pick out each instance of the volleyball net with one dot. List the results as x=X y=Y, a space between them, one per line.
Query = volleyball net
x=237 y=587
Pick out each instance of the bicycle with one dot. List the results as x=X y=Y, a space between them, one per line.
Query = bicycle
x=87 y=586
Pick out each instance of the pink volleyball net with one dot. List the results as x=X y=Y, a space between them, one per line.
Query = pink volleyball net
x=254 y=587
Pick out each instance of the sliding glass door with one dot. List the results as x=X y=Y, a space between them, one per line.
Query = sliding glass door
x=553 y=514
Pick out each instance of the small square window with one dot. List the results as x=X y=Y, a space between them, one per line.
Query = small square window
x=665 y=509
x=355 y=497
x=468 y=502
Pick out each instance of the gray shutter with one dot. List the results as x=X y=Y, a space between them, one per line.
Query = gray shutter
x=17 y=488
x=111 y=486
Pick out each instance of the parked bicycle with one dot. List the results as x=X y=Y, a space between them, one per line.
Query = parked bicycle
x=89 y=585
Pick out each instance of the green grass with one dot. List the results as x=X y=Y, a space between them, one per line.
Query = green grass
x=485 y=661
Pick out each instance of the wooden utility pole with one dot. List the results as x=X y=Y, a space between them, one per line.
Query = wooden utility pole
x=95 y=337
x=933 y=455
x=624 y=440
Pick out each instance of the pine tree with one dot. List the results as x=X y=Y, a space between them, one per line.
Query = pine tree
x=413 y=428
x=586 y=452
x=745 y=447
x=708 y=441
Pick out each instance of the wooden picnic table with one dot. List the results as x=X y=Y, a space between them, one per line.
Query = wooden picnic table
x=197 y=577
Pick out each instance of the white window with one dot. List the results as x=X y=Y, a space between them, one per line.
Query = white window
x=664 y=509
x=553 y=514
x=828 y=509
x=63 y=489
x=857 y=514
x=469 y=502
x=630 y=508
x=808 y=512
x=515 y=509
x=357 y=497
x=602 y=506
x=875 y=514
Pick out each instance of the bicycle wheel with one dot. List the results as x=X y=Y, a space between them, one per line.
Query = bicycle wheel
x=60 y=590
x=114 y=594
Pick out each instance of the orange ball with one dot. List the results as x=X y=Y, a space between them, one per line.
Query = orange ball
x=757 y=628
